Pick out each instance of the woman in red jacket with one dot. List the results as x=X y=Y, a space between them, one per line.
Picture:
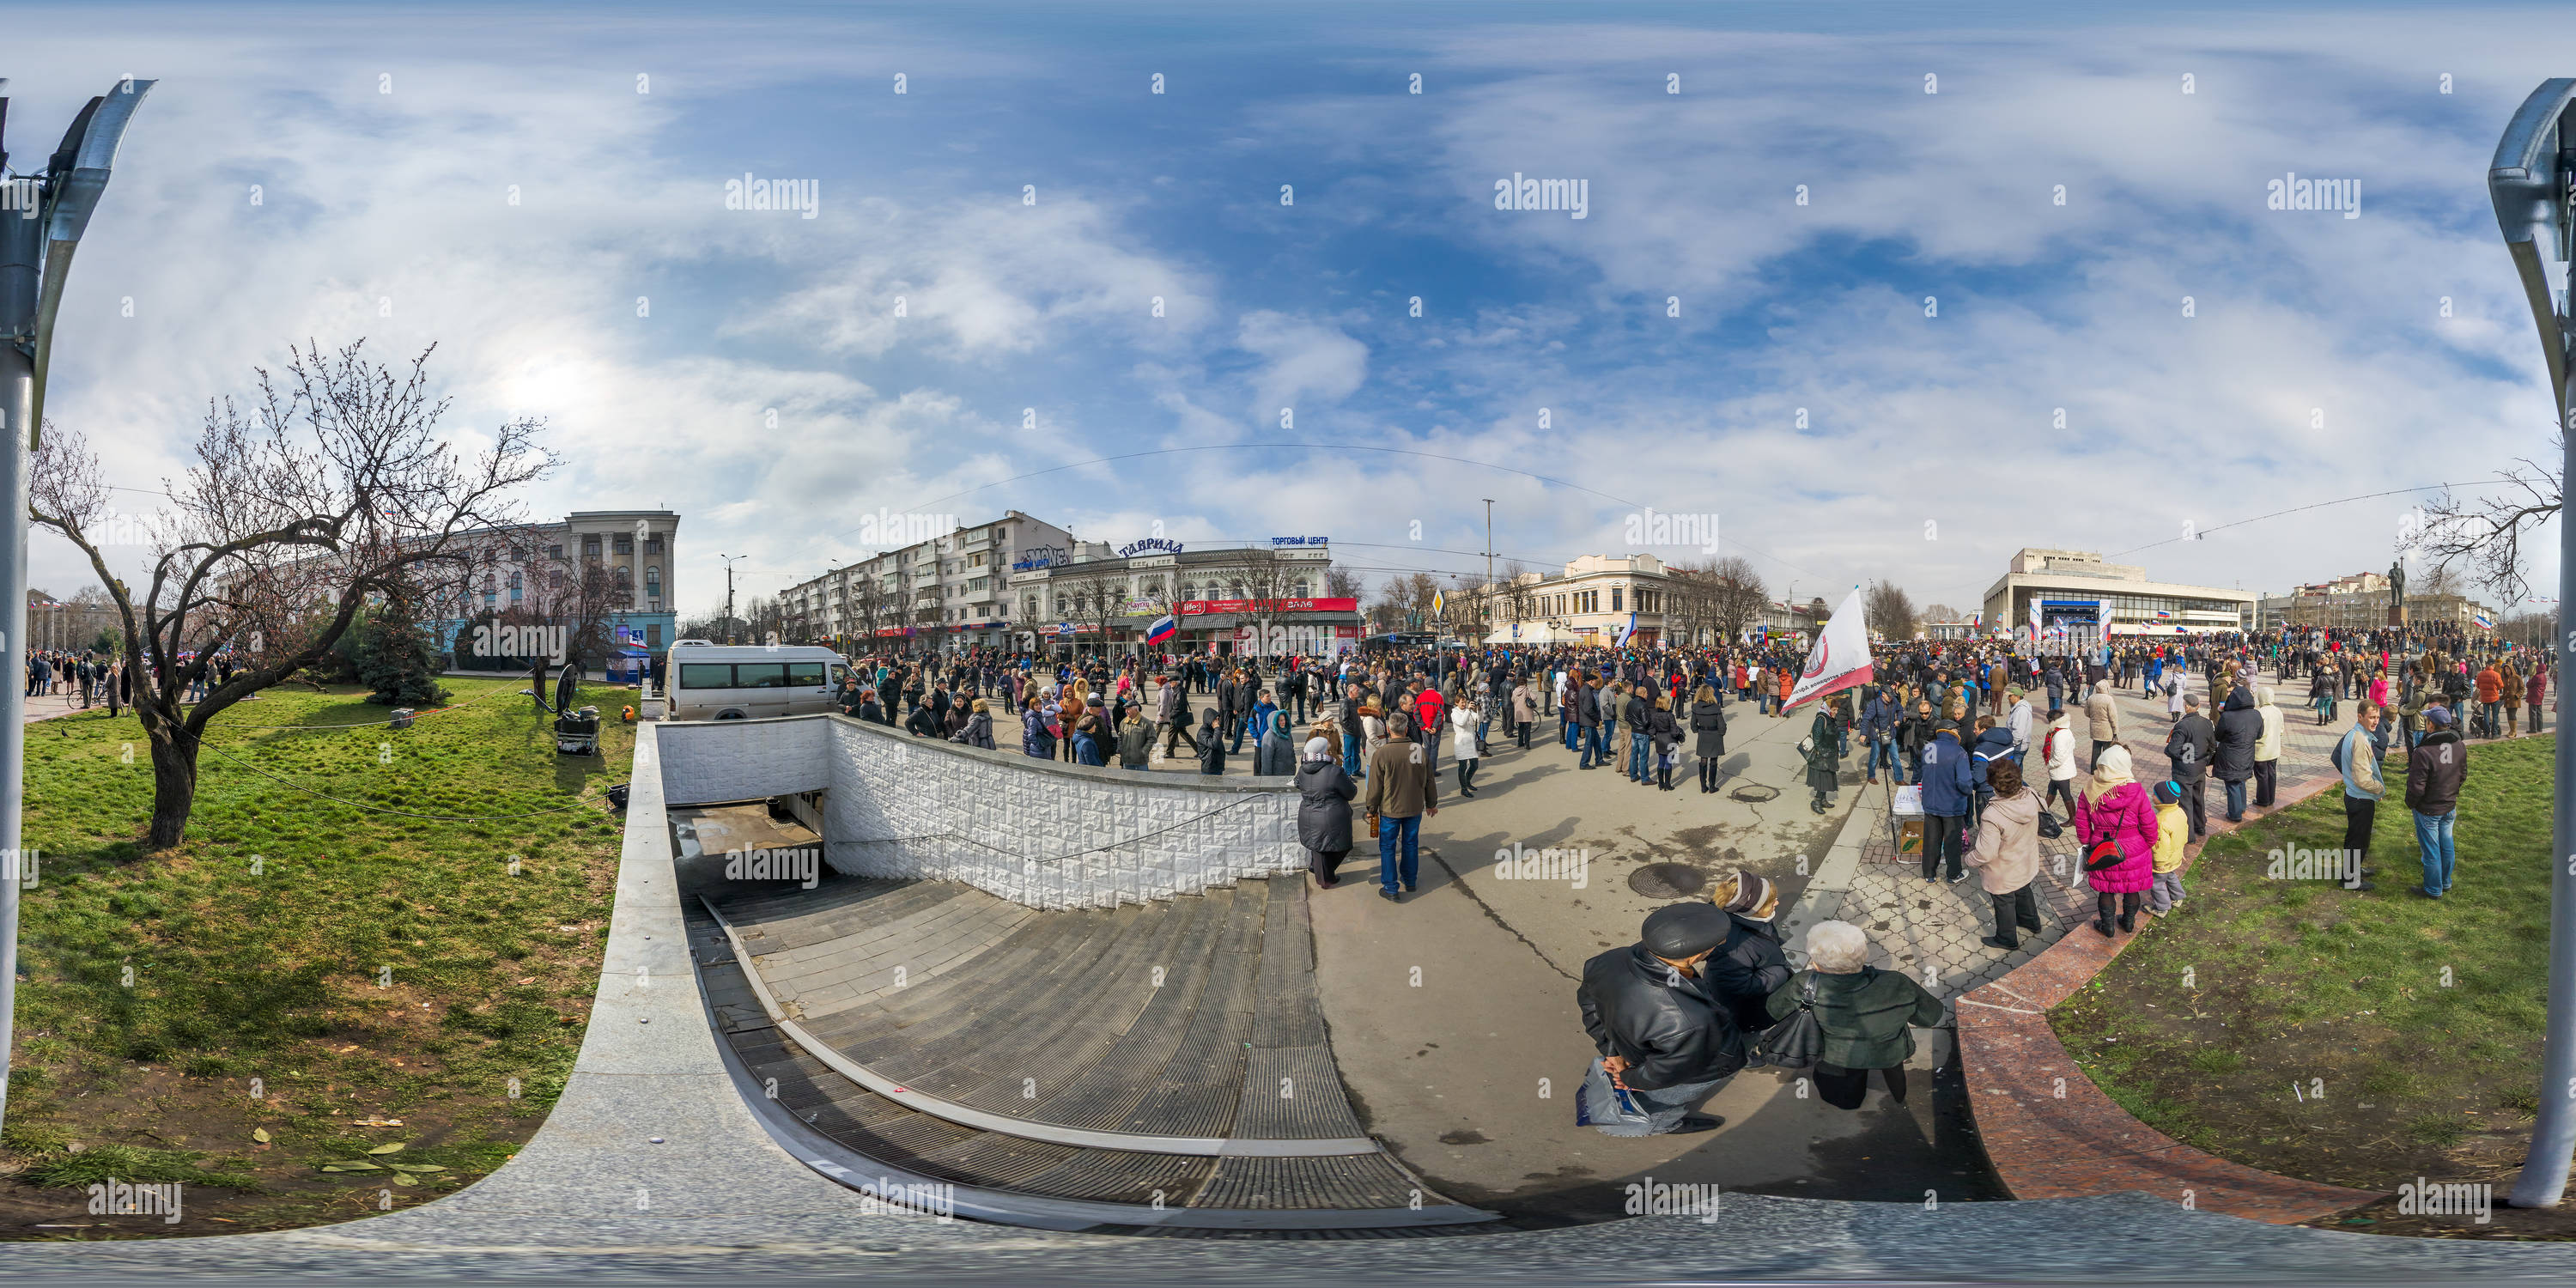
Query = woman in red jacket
x=2116 y=808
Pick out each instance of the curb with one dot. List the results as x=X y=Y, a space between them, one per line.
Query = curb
x=2049 y=1132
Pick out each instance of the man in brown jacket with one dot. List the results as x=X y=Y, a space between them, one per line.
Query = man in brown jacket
x=1401 y=789
x=2104 y=712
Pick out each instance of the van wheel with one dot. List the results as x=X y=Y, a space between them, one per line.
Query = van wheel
x=729 y=715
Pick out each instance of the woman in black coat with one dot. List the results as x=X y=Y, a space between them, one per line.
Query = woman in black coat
x=1323 y=810
x=1708 y=731
x=1211 y=744
x=1667 y=735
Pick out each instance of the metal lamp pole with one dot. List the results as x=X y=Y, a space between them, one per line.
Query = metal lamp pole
x=42 y=217
x=2530 y=182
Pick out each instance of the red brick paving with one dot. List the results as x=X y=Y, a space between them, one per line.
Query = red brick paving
x=2050 y=1133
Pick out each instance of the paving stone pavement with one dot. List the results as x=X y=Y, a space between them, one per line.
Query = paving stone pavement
x=1932 y=929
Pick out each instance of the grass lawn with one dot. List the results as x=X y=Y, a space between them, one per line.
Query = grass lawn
x=2357 y=1038
x=303 y=980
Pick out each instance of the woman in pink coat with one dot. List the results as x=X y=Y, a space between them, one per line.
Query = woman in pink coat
x=2115 y=807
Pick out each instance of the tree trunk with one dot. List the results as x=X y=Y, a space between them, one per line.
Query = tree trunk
x=174 y=788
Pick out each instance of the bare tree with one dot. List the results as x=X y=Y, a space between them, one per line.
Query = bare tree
x=1942 y=613
x=2484 y=534
x=1095 y=596
x=333 y=488
x=1890 y=609
x=1736 y=596
x=579 y=595
x=1341 y=583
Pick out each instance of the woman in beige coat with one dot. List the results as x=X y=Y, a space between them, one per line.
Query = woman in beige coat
x=2006 y=857
x=2267 y=749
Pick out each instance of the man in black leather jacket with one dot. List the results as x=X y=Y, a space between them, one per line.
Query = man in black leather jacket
x=1657 y=1019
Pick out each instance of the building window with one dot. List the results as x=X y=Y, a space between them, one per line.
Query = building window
x=653 y=581
x=653 y=544
x=590 y=547
x=653 y=635
x=555 y=551
x=1614 y=598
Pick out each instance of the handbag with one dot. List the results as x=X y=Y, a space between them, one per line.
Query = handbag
x=1797 y=1041
x=2049 y=828
x=2106 y=853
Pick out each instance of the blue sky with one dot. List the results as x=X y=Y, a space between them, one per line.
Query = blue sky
x=2317 y=362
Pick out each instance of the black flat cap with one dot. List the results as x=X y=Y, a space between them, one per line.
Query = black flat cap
x=1681 y=931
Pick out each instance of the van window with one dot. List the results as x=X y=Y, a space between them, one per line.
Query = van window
x=839 y=673
x=706 y=675
x=760 y=675
x=804 y=675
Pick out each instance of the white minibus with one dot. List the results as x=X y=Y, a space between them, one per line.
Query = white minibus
x=750 y=681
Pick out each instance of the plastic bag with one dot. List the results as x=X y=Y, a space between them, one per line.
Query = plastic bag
x=1608 y=1108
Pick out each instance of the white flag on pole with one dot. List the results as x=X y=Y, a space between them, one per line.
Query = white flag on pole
x=1840 y=659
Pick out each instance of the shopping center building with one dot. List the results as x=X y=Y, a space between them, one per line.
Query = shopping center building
x=2078 y=596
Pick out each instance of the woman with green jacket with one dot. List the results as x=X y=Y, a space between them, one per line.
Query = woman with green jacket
x=1822 y=749
x=1867 y=1015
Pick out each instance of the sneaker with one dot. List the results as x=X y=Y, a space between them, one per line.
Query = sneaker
x=2365 y=885
x=1388 y=895
x=1991 y=942
x=2424 y=892
x=1408 y=887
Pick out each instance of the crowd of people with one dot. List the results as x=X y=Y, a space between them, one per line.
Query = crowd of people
x=93 y=678
x=1362 y=734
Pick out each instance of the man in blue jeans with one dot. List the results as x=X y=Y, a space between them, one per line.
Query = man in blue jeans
x=1401 y=789
x=1637 y=710
x=2435 y=770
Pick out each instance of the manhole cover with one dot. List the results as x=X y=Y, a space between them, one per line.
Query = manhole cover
x=1754 y=793
x=1667 y=881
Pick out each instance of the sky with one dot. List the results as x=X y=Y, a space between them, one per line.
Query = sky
x=1891 y=291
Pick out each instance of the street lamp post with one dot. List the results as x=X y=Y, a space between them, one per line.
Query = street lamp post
x=42 y=217
x=2531 y=182
x=729 y=562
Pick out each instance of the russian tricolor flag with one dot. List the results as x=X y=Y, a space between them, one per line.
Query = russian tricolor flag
x=1164 y=627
